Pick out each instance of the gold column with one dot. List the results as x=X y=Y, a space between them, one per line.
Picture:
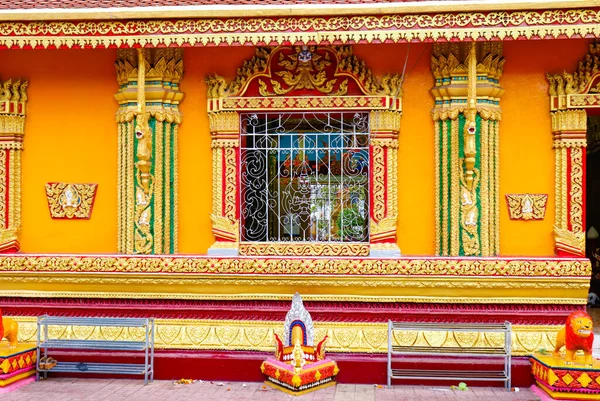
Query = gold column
x=225 y=131
x=569 y=129
x=384 y=127
x=13 y=101
x=148 y=118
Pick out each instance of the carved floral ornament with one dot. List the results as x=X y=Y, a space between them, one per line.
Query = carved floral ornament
x=70 y=201
x=526 y=206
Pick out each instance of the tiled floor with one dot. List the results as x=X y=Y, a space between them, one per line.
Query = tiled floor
x=133 y=390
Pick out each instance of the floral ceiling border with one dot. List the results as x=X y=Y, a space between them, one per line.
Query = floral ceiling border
x=549 y=24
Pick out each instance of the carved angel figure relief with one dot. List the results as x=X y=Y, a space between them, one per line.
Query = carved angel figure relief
x=70 y=201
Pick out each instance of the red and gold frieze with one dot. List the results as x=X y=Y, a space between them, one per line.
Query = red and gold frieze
x=471 y=280
x=302 y=30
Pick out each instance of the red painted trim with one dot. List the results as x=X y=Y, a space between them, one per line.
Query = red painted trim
x=276 y=310
x=238 y=199
x=245 y=366
x=371 y=180
x=6 y=191
x=385 y=181
x=223 y=181
x=569 y=188
x=583 y=188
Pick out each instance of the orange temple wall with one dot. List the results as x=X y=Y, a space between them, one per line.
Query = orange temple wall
x=71 y=136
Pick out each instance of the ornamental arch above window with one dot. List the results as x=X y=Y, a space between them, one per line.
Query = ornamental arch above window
x=304 y=155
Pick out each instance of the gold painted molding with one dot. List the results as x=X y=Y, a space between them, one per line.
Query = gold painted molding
x=377 y=27
x=471 y=280
x=258 y=335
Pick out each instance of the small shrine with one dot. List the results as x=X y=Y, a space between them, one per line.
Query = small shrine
x=298 y=366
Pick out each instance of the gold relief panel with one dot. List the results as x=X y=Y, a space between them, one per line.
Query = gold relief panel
x=526 y=206
x=303 y=249
x=258 y=335
x=70 y=201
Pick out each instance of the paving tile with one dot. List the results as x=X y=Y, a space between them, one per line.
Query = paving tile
x=63 y=389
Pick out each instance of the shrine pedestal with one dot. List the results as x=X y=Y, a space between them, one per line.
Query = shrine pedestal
x=17 y=365
x=562 y=381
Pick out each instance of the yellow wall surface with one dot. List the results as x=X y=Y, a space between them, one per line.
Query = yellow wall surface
x=526 y=153
x=195 y=157
x=70 y=136
x=416 y=179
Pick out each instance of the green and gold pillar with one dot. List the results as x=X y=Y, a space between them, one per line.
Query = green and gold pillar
x=466 y=114
x=148 y=119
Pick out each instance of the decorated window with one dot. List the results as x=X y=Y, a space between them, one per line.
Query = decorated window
x=305 y=177
x=305 y=155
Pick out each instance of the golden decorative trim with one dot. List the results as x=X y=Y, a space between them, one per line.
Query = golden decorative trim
x=576 y=193
x=455 y=174
x=260 y=10
x=437 y=168
x=303 y=249
x=505 y=267
x=301 y=30
x=382 y=122
x=526 y=206
x=70 y=201
x=258 y=335
x=570 y=241
x=378 y=182
x=445 y=237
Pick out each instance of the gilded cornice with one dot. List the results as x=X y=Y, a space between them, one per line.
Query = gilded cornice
x=499 y=267
x=253 y=335
x=273 y=10
x=299 y=30
x=563 y=281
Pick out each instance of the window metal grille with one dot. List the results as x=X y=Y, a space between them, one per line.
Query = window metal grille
x=304 y=177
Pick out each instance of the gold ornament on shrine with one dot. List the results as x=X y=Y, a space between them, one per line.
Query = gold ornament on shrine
x=70 y=201
x=526 y=206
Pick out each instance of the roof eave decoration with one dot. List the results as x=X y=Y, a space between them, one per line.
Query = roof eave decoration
x=300 y=30
x=580 y=89
x=304 y=77
x=91 y=10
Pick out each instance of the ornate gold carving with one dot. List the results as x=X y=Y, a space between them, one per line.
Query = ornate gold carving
x=581 y=80
x=570 y=241
x=502 y=267
x=384 y=124
x=302 y=249
x=148 y=99
x=526 y=206
x=378 y=182
x=471 y=226
x=70 y=201
x=284 y=69
x=576 y=193
x=258 y=335
x=346 y=29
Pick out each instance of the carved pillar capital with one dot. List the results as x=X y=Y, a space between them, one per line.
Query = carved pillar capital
x=569 y=128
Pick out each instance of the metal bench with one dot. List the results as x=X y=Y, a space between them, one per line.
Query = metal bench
x=45 y=343
x=502 y=353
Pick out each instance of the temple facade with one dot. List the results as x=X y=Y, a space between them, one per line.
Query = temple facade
x=201 y=163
